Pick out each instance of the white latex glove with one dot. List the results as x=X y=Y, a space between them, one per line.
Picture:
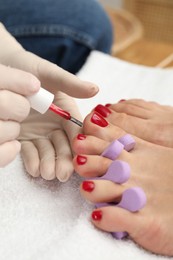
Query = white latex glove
x=55 y=80
x=46 y=141
x=52 y=77
x=14 y=107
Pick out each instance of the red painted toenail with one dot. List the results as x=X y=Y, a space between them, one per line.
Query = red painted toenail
x=102 y=110
x=88 y=186
x=97 y=215
x=122 y=100
x=98 y=120
x=81 y=137
x=81 y=159
x=108 y=105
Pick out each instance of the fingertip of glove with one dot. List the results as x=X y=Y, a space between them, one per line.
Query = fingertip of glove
x=17 y=145
x=92 y=89
x=35 y=84
x=64 y=176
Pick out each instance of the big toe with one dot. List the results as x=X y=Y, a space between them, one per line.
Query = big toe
x=96 y=125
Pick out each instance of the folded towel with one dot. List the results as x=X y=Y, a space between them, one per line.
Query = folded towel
x=122 y=80
x=48 y=220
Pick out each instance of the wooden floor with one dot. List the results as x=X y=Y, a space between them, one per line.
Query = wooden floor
x=147 y=52
x=142 y=51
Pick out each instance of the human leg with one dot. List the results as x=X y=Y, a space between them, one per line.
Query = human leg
x=151 y=169
x=63 y=32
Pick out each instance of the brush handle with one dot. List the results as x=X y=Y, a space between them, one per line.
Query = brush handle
x=41 y=101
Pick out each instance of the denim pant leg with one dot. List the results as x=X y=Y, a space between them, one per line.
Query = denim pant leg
x=61 y=31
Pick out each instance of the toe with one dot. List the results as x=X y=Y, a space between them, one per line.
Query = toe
x=96 y=125
x=90 y=166
x=138 y=103
x=115 y=219
x=130 y=109
x=100 y=191
x=84 y=144
x=130 y=124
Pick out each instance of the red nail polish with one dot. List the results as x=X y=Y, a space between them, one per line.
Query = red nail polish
x=96 y=215
x=81 y=159
x=122 y=100
x=108 y=105
x=102 y=110
x=98 y=120
x=88 y=186
x=81 y=137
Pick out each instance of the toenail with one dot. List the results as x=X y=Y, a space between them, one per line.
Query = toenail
x=81 y=159
x=121 y=100
x=102 y=110
x=96 y=215
x=98 y=120
x=88 y=186
x=81 y=137
x=108 y=105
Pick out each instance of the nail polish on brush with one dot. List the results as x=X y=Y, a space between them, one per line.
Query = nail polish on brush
x=42 y=100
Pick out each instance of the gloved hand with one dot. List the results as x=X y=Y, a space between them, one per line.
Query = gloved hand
x=52 y=77
x=46 y=141
x=55 y=80
x=14 y=107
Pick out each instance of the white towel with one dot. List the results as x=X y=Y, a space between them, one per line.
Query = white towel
x=47 y=220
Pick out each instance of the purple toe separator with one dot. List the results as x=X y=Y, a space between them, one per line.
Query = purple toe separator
x=118 y=172
x=113 y=150
x=133 y=199
x=128 y=142
x=119 y=235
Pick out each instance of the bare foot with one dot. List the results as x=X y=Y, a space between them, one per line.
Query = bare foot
x=147 y=120
x=151 y=169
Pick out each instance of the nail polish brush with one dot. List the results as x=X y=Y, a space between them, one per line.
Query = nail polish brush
x=43 y=100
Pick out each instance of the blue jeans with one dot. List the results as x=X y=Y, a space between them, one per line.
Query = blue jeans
x=61 y=31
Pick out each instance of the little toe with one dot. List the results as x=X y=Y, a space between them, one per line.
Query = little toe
x=144 y=230
x=115 y=219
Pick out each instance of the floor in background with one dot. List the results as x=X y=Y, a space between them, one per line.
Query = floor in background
x=142 y=50
x=147 y=53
